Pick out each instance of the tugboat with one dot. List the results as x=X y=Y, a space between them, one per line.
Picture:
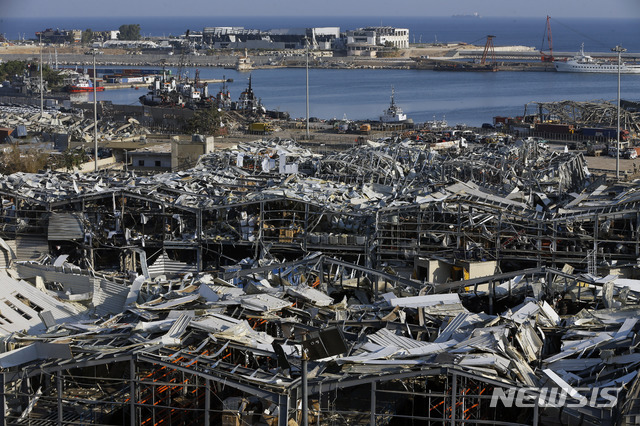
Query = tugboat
x=172 y=92
x=83 y=84
x=248 y=102
x=394 y=113
x=244 y=62
x=223 y=98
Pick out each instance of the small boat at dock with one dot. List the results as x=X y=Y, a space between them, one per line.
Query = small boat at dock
x=83 y=84
x=394 y=113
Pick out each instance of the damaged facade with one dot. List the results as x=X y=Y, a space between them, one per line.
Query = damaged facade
x=449 y=276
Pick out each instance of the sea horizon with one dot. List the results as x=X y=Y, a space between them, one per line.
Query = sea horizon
x=598 y=34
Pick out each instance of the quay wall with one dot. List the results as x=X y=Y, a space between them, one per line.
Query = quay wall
x=263 y=61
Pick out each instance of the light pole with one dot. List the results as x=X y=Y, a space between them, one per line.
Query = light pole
x=619 y=49
x=41 y=83
x=95 y=116
x=307 y=48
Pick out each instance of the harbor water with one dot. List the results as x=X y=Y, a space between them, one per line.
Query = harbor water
x=470 y=98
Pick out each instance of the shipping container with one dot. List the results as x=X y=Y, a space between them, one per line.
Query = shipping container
x=561 y=129
x=596 y=150
x=260 y=128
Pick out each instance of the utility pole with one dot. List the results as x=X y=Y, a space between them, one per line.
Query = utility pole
x=95 y=116
x=307 y=42
x=619 y=49
x=41 y=83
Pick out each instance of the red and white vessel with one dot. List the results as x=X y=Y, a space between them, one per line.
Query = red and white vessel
x=83 y=84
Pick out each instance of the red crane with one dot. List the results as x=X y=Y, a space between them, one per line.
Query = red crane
x=547 y=32
x=488 y=49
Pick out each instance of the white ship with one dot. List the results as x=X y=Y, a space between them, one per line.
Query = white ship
x=585 y=63
x=244 y=62
x=394 y=113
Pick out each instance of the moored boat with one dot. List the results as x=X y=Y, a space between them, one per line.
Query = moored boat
x=83 y=84
x=244 y=62
x=394 y=113
x=582 y=62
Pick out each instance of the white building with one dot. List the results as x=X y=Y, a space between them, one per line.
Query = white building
x=394 y=37
x=367 y=41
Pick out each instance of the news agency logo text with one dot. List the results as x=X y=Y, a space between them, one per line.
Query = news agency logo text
x=574 y=397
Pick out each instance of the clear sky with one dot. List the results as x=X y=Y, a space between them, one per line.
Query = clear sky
x=377 y=8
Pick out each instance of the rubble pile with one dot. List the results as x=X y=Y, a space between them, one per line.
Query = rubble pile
x=243 y=333
x=422 y=284
x=74 y=125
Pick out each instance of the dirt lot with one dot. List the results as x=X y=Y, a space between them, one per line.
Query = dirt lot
x=35 y=50
x=609 y=164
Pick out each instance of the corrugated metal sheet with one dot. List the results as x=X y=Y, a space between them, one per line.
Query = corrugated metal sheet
x=452 y=327
x=425 y=301
x=65 y=226
x=31 y=247
x=16 y=315
x=529 y=341
x=7 y=252
x=316 y=297
x=384 y=337
x=35 y=351
x=165 y=266
x=499 y=363
x=381 y=353
x=226 y=327
x=72 y=283
x=4 y=258
x=411 y=347
x=177 y=330
x=264 y=302
x=108 y=297
x=171 y=303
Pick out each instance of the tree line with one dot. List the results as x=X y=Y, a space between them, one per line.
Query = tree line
x=126 y=32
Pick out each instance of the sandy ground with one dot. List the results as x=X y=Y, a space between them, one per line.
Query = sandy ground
x=35 y=49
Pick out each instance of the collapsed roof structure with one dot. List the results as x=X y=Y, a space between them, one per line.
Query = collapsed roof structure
x=446 y=276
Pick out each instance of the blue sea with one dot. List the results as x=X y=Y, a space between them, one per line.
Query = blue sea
x=568 y=33
x=469 y=98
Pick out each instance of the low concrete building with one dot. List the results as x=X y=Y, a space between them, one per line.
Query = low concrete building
x=155 y=158
x=186 y=152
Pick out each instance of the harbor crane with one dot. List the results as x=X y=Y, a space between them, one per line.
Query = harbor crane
x=547 y=33
x=488 y=49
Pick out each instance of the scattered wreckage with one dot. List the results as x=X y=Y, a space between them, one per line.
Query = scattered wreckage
x=440 y=287
x=72 y=126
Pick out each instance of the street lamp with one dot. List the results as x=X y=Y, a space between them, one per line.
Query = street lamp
x=41 y=83
x=95 y=116
x=307 y=48
x=619 y=49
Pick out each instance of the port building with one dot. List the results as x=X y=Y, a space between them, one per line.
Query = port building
x=370 y=40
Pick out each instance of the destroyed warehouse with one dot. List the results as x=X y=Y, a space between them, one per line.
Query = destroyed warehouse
x=430 y=280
